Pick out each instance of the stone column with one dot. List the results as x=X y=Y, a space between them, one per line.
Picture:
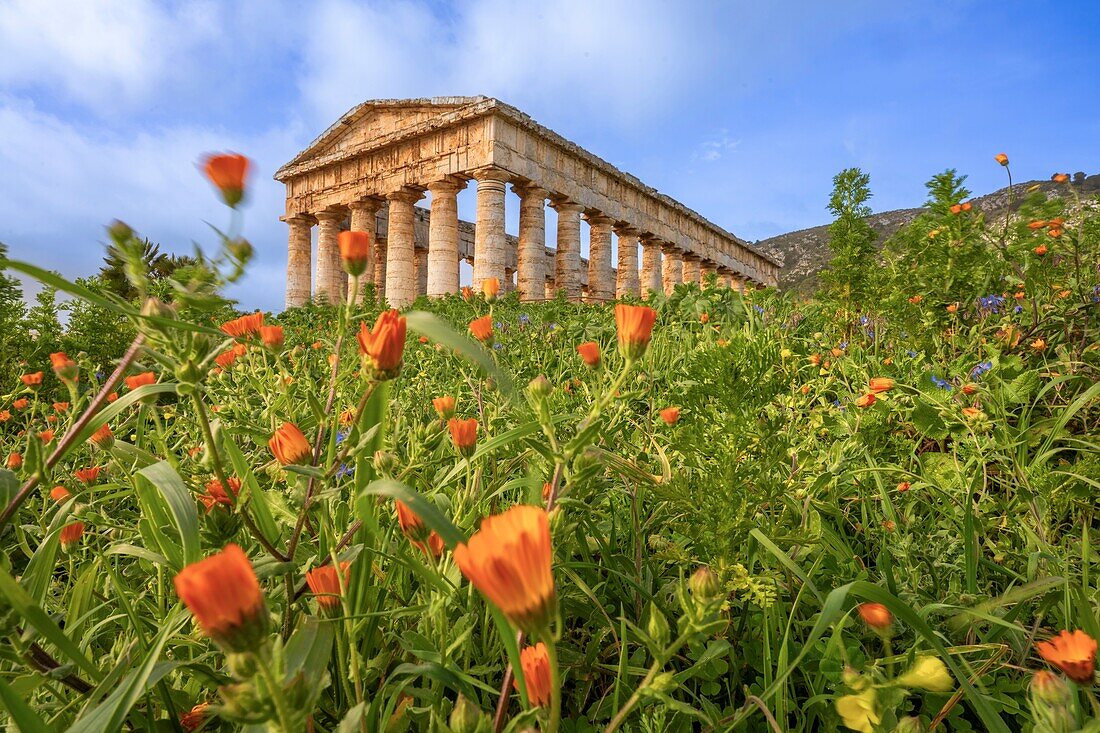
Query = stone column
x=329 y=285
x=490 y=241
x=706 y=269
x=567 y=262
x=626 y=276
x=380 y=265
x=691 y=268
x=421 y=258
x=299 y=258
x=601 y=280
x=364 y=218
x=531 y=255
x=651 y=267
x=672 y=273
x=443 y=237
x=401 y=275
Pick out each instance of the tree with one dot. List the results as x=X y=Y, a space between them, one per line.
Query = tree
x=851 y=238
x=157 y=266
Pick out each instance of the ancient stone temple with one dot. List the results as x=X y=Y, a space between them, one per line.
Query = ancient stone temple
x=368 y=171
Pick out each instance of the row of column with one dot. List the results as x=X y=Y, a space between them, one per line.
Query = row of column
x=399 y=272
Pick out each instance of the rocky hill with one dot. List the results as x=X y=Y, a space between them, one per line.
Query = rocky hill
x=806 y=251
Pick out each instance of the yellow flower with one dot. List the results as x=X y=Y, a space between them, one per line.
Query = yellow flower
x=928 y=673
x=858 y=711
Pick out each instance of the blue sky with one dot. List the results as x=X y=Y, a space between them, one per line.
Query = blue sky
x=742 y=110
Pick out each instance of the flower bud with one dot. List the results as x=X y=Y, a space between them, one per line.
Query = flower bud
x=657 y=626
x=119 y=231
x=704 y=585
x=385 y=462
x=1050 y=688
x=910 y=724
x=467 y=717
x=540 y=386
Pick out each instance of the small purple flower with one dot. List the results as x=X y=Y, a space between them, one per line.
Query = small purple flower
x=497 y=346
x=524 y=318
x=941 y=383
x=912 y=354
x=759 y=309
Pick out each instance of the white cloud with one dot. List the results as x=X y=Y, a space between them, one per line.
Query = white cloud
x=100 y=53
x=73 y=180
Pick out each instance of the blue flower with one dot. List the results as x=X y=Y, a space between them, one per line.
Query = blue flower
x=497 y=346
x=1018 y=309
x=551 y=326
x=864 y=320
x=981 y=369
x=912 y=354
x=843 y=345
x=524 y=318
x=341 y=436
x=100 y=375
x=941 y=383
x=498 y=326
x=344 y=470
x=758 y=308
x=991 y=303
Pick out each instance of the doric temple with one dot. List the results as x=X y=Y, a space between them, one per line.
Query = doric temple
x=368 y=171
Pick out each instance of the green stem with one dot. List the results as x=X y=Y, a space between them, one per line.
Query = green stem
x=276 y=692
x=555 y=685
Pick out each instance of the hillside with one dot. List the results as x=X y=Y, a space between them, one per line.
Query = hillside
x=806 y=252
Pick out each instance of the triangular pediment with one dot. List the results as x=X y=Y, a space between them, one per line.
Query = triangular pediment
x=372 y=123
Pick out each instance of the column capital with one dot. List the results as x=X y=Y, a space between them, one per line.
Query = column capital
x=565 y=205
x=491 y=173
x=528 y=190
x=408 y=194
x=670 y=249
x=331 y=215
x=302 y=218
x=625 y=230
x=370 y=204
x=598 y=220
x=692 y=256
x=447 y=185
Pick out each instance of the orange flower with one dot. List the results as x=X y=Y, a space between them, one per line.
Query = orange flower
x=244 y=326
x=71 y=534
x=590 y=353
x=866 y=400
x=140 y=380
x=903 y=487
x=635 y=326
x=226 y=358
x=508 y=560
x=61 y=406
x=316 y=345
x=467 y=292
x=355 y=249
x=59 y=494
x=671 y=415
x=1001 y=158
x=227 y=171
x=875 y=615
x=1056 y=223
x=328 y=584
x=216 y=494
x=32 y=380
x=1038 y=344
x=482 y=328
x=490 y=286
x=64 y=367
x=956 y=209
x=21 y=403
x=969 y=389
x=103 y=437
x=46 y=436
x=464 y=435
x=435 y=546
x=536 y=673
x=814 y=359
x=705 y=318
x=967 y=206
x=1037 y=224
x=5 y=415
x=423 y=339
x=1055 y=233
x=87 y=475
x=881 y=384
x=1073 y=653
x=444 y=406
x=546 y=488
x=412 y=526
x=289 y=445
x=915 y=299
x=1060 y=178
x=224 y=596
x=112 y=397
x=385 y=344
x=805 y=389
x=193 y=719
x=14 y=461
x=952 y=308
x=273 y=337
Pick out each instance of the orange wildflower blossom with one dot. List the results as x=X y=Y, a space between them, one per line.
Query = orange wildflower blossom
x=1055 y=233
x=444 y=406
x=64 y=367
x=464 y=435
x=21 y=404
x=216 y=493
x=1037 y=224
x=244 y=326
x=59 y=494
x=193 y=719
x=412 y=526
x=1038 y=344
x=1001 y=158
x=903 y=487
x=140 y=380
x=327 y=584
x=635 y=329
x=227 y=171
x=670 y=415
x=509 y=561
x=482 y=328
x=5 y=415
x=384 y=345
x=46 y=436
x=467 y=292
x=881 y=384
x=866 y=400
x=87 y=475
x=490 y=287
x=61 y=406
x=289 y=445
x=224 y=596
x=225 y=359
x=103 y=438
x=112 y=397
x=71 y=534
x=1072 y=652
x=15 y=461
x=435 y=545
x=32 y=380
x=355 y=249
x=590 y=353
x=536 y=673
x=875 y=615
x=273 y=337
x=957 y=208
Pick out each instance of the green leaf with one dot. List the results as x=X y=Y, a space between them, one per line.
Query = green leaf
x=309 y=650
x=434 y=328
x=450 y=534
x=25 y=719
x=179 y=501
x=926 y=419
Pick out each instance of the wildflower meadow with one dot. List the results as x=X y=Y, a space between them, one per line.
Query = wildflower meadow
x=872 y=509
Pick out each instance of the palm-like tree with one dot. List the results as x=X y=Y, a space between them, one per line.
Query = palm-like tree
x=158 y=266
